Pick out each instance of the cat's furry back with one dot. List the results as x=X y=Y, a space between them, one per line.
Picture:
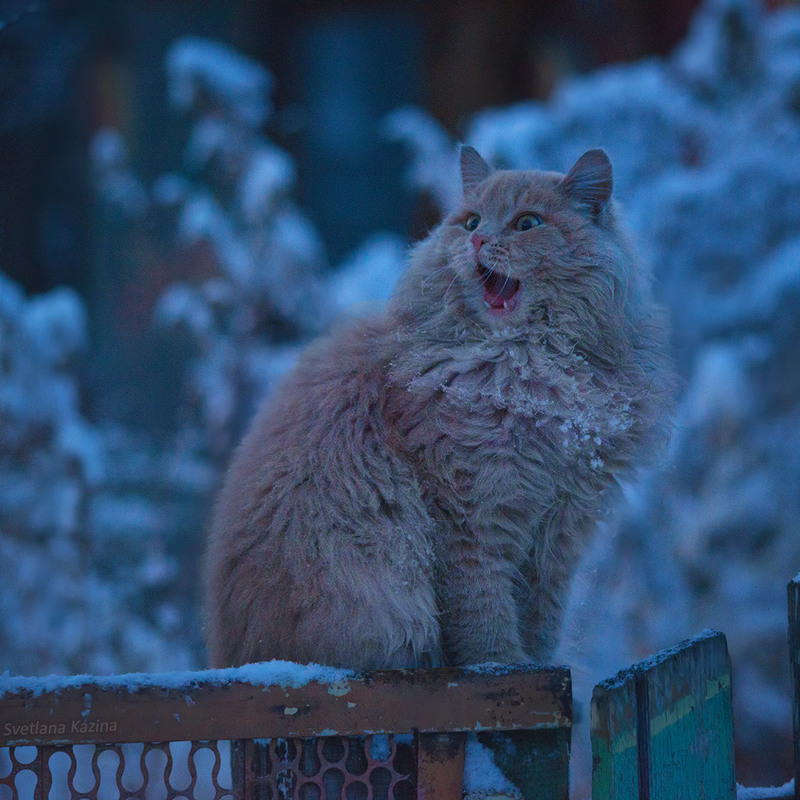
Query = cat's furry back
x=419 y=488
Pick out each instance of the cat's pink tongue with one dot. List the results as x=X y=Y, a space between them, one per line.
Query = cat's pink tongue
x=499 y=292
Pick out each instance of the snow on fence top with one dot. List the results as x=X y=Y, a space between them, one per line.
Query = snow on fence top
x=269 y=673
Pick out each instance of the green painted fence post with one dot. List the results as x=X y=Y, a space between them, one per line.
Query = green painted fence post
x=663 y=729
x=794 y=655
x=615 y=747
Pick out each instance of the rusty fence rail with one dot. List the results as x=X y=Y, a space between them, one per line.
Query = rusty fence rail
x=281 y=732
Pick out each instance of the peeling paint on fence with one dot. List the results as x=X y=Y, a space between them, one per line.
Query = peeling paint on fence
x=663 y=730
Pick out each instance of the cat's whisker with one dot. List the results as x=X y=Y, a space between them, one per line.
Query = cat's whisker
x=456 y=273
x=427 y=281
x=484 y=277
x=508 y=270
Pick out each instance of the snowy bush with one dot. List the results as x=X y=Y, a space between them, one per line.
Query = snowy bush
x=274 y=290
x=72 y=601
x=271 y=287
x=48 y=454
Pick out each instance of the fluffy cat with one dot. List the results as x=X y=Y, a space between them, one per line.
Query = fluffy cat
x=419 y=489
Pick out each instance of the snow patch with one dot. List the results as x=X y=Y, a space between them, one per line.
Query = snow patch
x=766 y=793
x=264 y=674
x=482 y=776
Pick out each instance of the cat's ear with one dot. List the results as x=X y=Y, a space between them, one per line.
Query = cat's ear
x=590 y=182
x=474 y=169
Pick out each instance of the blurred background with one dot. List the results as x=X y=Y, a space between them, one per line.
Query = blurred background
x=70 y=68
x=190 y=192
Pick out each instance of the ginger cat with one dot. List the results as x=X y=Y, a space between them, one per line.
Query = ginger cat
x=419 y=489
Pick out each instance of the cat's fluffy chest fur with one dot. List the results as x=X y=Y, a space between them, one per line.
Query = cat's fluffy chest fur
x=419 y=489
x=500 y=432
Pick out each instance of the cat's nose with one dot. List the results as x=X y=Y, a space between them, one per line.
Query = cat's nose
x=478 y=240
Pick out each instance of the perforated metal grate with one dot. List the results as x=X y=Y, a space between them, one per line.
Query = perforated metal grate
x=333 y=768
x=190 y=770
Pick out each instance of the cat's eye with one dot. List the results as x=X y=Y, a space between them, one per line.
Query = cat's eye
x=524 y=222
x=472 y=222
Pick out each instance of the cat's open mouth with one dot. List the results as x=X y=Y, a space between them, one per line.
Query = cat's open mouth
x=499 y=290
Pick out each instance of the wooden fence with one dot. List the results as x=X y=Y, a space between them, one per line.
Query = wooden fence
x=662 y=730
x=391 y=735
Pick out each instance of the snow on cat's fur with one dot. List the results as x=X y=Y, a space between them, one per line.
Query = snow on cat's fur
x=419 y=489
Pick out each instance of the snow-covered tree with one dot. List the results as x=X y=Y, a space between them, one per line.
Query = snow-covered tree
x=270 y=286
x=77 y=594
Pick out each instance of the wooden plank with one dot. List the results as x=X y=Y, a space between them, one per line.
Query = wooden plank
x=44 y=776
x=663 y=730
x=440 y=766
x=237 y=761
x=691 y=722
x=168 y=708
x=614 y=734
x=256 y=775
x=794 y=656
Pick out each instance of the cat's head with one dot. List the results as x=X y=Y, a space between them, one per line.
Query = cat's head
x=530 y=248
